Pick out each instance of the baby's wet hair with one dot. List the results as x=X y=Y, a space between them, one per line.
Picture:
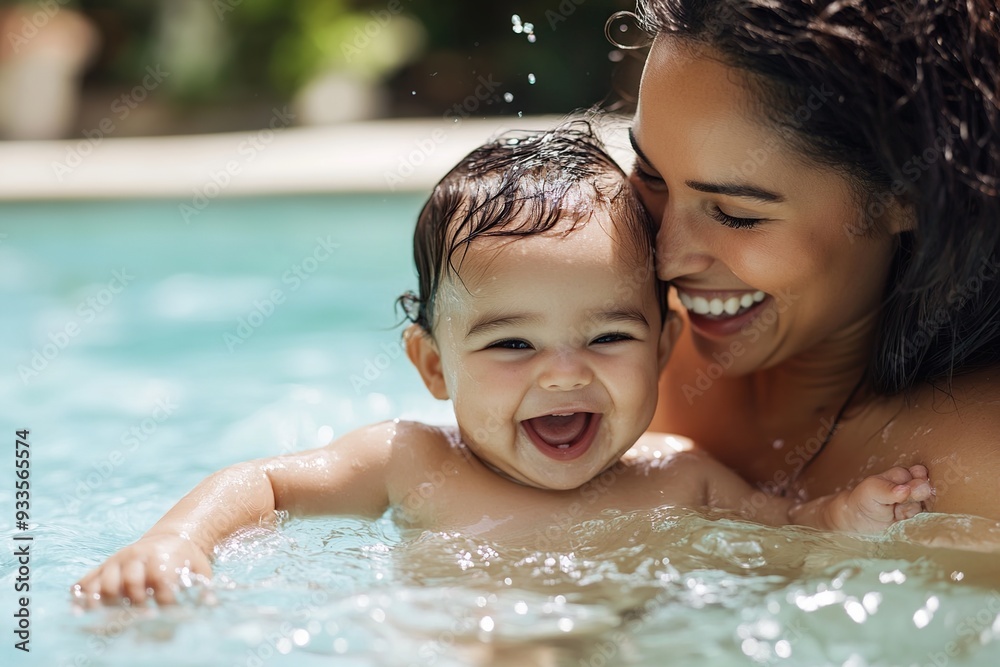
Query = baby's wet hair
x=521 y=184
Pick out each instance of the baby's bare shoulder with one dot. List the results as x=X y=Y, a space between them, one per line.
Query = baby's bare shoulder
x=401 y=432
x=667 y=454
x=397 y=442
x=419 y=446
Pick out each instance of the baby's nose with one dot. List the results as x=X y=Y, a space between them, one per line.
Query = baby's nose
x=565 y=371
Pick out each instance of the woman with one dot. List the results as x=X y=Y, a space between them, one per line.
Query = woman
x=826 y=176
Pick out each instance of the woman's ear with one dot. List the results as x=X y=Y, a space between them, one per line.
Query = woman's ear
x=672 y=327
x=423 y=352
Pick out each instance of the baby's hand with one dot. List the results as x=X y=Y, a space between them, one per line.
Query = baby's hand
x=881 y=500
x=150 y=567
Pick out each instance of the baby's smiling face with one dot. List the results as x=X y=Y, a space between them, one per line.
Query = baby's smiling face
x=550 y=347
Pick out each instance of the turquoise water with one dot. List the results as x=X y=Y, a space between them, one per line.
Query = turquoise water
x=144 y=353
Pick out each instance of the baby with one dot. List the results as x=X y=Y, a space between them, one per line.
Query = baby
x=540 y=316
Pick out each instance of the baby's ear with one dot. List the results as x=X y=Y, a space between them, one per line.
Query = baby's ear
x=423 y=352
x=672 y=327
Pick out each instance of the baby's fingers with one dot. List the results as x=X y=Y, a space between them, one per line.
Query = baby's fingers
x=884 y=489
x=86 y=592
x=110 y=587
x=899 y=485
x=99 y=586
x=164 y=584
x=134 y=581
x=907 y=510
x=920 y=488
x=898 y=475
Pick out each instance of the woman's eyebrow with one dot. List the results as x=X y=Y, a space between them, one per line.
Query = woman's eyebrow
x=736 y=190
x=727 y=189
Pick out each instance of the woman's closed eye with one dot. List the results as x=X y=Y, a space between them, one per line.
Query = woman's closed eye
x=734 y=221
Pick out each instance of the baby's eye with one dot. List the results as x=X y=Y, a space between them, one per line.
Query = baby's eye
x=649 y=179
x=615 y=337
x=509 y=344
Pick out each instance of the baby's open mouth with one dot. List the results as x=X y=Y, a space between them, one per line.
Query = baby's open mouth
x=563 y=436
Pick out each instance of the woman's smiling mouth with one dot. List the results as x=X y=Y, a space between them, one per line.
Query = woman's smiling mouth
x=723 y=306
x=719 y=314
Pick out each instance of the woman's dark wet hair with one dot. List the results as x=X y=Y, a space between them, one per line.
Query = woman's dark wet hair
x=522 y=184
x=902 y=97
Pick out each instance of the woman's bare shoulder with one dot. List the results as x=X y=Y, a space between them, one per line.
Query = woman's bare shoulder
x=969 y=402
x=956 y=432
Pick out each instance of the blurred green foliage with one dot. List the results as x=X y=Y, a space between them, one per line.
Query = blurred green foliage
x=429 y=54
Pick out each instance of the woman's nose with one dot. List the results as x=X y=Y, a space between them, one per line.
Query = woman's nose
x=681 y=244
x=564 y=371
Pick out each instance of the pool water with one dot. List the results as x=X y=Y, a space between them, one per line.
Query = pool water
x=144 y=353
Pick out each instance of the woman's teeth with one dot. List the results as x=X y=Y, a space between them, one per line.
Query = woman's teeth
x=699 y=305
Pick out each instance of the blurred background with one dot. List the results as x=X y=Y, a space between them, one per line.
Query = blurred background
x=145 y=68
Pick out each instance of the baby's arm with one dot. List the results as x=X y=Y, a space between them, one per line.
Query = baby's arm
x=870 y=507
x=350 y=476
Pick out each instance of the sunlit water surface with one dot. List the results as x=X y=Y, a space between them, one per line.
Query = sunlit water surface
x=159 y=386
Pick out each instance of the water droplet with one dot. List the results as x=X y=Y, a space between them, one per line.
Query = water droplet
x=616 y=56
x=871 y=601
x=856 y=611
x=508 y=97
x=531 y=79
x=520 y=114
x=522 y=27
x=893 y=577
x=486 y=624
x=413 y=92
